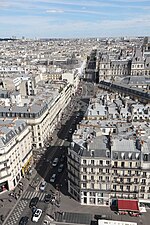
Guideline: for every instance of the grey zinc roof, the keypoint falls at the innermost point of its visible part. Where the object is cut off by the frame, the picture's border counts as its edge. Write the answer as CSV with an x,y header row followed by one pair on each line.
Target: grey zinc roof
x,y
147,63
9,129
138,58
98,145
135,80
123,145
35,108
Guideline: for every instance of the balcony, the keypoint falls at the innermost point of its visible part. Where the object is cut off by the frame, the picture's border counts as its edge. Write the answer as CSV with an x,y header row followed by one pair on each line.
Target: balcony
x,y
124,191
142,190
143,183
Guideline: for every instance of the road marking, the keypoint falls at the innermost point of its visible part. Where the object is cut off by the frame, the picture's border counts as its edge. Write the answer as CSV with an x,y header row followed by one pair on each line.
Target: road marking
x,y
30,194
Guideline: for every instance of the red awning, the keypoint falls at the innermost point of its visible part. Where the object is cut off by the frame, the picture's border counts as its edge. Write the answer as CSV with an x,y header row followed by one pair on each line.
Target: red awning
x,y
128,205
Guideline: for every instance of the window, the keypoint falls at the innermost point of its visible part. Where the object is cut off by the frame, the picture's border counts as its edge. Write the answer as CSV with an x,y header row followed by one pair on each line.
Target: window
x,y
100,178
142,189
92,200
135,180
92,185
107,163
129,172
128,180
121,180
100,170
84,169
107,170
143,181
101,162
122,164
92,162
92,193
114,187
84,161
107,178
92,178
121,187
115,172
128,188
84,177
144,174
84,185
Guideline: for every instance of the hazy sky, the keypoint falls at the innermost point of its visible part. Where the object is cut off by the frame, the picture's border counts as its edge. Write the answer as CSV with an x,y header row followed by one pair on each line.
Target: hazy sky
x,y
74,18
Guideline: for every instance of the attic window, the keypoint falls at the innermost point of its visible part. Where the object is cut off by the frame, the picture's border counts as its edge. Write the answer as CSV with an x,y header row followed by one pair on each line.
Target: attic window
x,y
130,155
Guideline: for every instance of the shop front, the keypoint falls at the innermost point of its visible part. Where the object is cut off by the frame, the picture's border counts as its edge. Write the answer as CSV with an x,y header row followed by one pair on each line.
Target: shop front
x,y
27,166
3,186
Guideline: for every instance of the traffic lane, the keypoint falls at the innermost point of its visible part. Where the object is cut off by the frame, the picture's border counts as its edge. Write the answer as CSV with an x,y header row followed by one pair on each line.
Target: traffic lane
x,y
28,212
43,164
54,170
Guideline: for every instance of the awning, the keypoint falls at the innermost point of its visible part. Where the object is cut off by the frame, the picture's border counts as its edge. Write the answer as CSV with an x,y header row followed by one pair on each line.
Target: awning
x,y
128,205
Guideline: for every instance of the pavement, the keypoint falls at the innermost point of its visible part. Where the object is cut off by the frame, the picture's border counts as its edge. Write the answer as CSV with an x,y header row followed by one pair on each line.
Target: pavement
x,y
8,203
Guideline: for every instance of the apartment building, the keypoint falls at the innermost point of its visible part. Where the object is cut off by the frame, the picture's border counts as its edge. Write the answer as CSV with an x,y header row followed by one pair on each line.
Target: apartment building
x,y
140,63
15,152
109,157
112,68
102,168
42,112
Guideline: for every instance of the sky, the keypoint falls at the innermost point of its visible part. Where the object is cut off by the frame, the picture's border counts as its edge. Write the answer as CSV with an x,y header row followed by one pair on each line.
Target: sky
x,y
74,18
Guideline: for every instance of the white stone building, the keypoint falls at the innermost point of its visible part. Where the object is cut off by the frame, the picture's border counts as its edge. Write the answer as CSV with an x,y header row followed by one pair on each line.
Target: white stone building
x,y
15,152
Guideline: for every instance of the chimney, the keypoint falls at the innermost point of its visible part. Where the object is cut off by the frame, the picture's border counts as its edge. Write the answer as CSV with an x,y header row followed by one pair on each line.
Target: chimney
x,y
92,153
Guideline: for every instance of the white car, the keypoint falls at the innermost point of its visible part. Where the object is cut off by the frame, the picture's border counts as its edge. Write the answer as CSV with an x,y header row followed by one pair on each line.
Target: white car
x,y
36,216
53,178
55,162
43,185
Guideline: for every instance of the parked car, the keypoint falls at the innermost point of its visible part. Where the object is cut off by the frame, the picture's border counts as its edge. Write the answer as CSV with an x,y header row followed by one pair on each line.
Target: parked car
x,y
33,202
47,198
55,162
43,185
53,178
36,216
24,220
60,168
70,131
62,158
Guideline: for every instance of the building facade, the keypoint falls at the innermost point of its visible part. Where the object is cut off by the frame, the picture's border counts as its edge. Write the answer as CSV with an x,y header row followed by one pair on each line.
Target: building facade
x,y
103,168
15,152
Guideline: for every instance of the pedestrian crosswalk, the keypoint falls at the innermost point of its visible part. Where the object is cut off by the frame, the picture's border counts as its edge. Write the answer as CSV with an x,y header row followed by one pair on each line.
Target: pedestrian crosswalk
x,y
32,194
15,215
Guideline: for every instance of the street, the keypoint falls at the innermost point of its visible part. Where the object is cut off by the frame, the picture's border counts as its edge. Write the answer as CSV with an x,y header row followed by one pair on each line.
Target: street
x,y
45,170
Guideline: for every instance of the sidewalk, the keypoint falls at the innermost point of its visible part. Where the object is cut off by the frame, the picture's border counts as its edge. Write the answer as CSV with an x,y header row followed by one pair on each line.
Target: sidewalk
x,y
8,203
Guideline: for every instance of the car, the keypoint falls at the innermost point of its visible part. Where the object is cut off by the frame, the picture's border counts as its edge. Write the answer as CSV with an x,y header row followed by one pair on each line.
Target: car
x,y
70,131
100,217
24,220
53,178
34,208
33,202
62,158
60,168
47,198
43,185
36,216
55,162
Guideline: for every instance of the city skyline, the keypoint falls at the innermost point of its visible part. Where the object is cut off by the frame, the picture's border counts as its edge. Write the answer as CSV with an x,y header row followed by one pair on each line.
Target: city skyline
x,y
74,18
